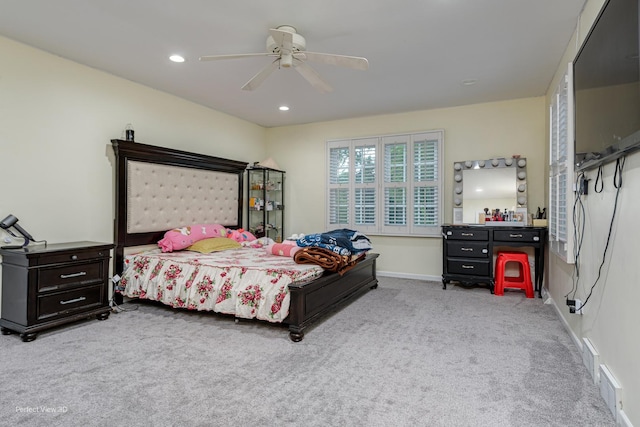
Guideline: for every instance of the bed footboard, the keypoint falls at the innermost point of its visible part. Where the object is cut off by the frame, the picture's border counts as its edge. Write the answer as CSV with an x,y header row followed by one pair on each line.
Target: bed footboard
x,y
310,301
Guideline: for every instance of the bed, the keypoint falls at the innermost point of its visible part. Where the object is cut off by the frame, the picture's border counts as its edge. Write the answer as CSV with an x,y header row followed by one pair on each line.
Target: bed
x,y
159,189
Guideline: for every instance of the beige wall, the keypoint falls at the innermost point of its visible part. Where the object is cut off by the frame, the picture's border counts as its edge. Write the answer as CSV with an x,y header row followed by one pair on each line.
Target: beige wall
x,y
56,122
482,131
611,315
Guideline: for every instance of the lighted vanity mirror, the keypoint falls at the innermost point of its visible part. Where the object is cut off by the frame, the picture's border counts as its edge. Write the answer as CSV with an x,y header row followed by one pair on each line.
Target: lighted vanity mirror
x,y
485,190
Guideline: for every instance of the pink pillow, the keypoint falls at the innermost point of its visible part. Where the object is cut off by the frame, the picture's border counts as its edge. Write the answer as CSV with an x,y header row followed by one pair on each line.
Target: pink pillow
x,y
282,249
240,235
183,237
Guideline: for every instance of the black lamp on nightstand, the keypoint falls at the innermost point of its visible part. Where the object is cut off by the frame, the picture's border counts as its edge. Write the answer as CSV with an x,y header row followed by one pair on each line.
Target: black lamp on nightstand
x,y
12,221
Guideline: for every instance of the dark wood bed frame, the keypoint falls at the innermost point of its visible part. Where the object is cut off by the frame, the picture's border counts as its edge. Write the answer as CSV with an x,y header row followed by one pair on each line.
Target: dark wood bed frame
x,y
309,301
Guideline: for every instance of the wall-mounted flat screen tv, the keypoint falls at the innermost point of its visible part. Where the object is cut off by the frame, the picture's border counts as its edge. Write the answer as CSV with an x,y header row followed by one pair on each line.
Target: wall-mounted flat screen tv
x,y
606,81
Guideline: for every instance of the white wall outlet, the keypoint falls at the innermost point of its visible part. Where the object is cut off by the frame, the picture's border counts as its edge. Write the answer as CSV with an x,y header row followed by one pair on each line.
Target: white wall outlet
x,y
579,308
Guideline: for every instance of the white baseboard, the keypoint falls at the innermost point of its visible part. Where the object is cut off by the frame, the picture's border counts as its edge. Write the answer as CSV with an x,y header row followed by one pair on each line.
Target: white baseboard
x,y
409,276
577,341
623,420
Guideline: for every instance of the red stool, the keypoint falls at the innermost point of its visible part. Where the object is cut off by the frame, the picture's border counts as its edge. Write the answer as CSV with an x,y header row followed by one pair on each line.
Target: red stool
x,y
522,281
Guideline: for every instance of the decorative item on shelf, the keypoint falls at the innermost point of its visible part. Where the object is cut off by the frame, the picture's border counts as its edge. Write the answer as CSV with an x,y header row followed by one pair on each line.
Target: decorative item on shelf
x,y
268,163
540,218
129,132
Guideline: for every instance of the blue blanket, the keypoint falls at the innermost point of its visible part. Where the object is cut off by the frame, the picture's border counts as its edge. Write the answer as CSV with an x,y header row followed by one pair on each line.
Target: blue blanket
x,y
342,241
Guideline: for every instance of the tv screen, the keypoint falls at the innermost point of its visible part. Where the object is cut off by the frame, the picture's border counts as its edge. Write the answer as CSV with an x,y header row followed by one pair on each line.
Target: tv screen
x,y
606,80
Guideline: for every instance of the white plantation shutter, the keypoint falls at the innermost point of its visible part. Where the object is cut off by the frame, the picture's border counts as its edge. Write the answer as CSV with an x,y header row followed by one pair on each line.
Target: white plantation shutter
x,y
426,181
365,206
365,184
395,182
339,207
339,186
386,185
559,214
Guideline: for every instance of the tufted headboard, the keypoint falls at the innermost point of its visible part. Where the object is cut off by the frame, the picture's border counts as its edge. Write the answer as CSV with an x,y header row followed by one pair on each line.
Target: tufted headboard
x,y
158,189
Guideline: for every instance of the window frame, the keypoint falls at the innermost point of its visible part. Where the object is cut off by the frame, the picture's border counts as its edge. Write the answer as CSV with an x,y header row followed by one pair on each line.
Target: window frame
x,y
380,185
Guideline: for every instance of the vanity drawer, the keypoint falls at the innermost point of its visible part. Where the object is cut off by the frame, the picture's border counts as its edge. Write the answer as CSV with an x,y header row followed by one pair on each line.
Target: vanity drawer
x,y
516,236
468,249
470,267
64,303
467,234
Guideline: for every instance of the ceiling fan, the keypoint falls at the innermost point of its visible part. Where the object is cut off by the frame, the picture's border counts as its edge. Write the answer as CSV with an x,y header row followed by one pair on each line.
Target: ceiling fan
x,y
288,48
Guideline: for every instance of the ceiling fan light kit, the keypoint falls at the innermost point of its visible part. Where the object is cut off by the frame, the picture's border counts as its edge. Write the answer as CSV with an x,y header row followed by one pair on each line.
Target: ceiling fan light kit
x,y
288,47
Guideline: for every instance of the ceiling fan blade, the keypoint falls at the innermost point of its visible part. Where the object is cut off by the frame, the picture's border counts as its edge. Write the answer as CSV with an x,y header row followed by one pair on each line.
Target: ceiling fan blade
x,y
240,55
312,76
261,76
354,62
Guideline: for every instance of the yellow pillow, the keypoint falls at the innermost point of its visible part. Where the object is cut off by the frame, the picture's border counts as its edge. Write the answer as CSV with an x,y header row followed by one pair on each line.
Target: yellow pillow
x,y
214,244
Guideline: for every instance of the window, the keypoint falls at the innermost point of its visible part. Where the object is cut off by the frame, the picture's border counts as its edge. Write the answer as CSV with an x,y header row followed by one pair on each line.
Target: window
x,y
387,184
561,169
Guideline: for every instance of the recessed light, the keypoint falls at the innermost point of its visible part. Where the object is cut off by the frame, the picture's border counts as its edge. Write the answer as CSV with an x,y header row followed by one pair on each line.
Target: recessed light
x,y
176,58
469,82
283,108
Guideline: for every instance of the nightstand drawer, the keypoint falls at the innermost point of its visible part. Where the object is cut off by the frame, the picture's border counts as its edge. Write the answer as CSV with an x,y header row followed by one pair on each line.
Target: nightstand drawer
x,y
468,249
471,267
64,303
81,254
65,276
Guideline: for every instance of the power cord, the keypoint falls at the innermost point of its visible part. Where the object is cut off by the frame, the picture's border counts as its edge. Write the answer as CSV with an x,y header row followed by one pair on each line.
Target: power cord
x,y
596,188
115,307
617,183
578,235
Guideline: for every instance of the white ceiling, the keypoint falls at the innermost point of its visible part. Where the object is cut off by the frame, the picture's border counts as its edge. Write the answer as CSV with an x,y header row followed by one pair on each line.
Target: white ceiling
x,y
419,51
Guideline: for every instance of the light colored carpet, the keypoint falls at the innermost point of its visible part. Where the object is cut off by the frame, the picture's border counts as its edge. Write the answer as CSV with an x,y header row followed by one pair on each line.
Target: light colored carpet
x,y
406,354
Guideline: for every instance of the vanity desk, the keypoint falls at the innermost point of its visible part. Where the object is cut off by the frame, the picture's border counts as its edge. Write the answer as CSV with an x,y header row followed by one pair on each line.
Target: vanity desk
x,y
468,250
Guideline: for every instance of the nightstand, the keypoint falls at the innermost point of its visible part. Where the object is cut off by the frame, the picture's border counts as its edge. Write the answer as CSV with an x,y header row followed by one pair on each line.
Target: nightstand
x,y
43,287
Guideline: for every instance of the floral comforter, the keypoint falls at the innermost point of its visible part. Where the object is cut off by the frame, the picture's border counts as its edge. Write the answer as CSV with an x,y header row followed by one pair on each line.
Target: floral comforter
x,y
246,282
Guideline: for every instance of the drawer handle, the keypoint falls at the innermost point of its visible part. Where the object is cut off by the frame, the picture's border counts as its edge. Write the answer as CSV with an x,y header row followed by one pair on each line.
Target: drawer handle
x,y
536,238
467,234
467,249
71,301
467,266
68,276
516,236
